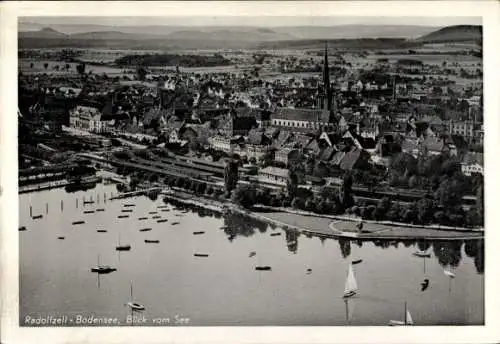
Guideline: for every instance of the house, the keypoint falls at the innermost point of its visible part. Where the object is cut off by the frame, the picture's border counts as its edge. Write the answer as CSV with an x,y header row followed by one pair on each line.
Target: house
x,y
327,153
219,142
230,125
472,163
273,175
468,129
92,116
257,137
172,130
354,159
286,156
434,146
312,147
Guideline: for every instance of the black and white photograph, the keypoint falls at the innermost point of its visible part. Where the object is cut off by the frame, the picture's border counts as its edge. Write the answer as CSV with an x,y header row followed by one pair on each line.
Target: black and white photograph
x,y
187,171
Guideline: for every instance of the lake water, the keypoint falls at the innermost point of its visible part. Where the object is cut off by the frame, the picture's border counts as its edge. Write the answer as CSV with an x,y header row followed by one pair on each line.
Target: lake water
x,y
224,288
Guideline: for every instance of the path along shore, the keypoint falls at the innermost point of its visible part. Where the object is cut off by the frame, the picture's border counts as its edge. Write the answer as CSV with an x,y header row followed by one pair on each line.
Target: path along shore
x,y
331,226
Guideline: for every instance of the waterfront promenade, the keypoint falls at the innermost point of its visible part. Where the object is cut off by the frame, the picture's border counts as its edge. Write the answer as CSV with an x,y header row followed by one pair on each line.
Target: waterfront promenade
x,y
330,226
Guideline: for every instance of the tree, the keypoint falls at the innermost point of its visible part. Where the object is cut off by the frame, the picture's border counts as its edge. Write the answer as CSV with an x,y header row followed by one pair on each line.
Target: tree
x,y
292,184
32,65
394,212
368,212
245,196
424,209
45,65
230,175
141,73
201,188
297,203
347,198
80,68
440,217
310,204
480,203
264,196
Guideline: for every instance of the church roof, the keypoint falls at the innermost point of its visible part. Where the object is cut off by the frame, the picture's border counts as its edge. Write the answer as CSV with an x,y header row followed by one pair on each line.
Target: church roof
x,y
305,115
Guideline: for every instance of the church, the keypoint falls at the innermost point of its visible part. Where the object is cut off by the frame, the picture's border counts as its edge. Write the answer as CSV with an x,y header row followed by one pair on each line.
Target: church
x,y
308,120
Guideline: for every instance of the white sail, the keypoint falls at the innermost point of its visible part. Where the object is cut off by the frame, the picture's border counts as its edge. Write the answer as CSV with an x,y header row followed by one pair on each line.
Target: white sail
x,y
409,320
351,286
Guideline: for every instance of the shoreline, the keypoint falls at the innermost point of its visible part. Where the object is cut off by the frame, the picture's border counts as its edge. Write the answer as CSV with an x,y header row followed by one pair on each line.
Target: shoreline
x,y
331,231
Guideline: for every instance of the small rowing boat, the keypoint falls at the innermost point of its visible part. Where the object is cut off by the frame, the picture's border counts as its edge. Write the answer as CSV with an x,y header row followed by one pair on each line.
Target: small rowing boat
x,y
263,268
161,220
122,216
199,232
129,205
22,228
100,209
144,230
60,238
88,211
78,222
151,241
36,217
101,231
275,234
175,223
127,210
153,212
201,255
142,218
357,261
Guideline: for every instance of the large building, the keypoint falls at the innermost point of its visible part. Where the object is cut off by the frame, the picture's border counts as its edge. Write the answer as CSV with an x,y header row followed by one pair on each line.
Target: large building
x,y
307,120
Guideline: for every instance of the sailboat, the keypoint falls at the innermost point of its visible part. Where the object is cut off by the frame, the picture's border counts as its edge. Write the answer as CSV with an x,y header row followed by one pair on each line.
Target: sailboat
x,y
134,306
351,286
102,269
122,247
408,319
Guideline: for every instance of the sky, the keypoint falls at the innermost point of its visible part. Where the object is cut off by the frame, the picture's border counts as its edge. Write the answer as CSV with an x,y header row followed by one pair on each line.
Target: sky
x,y
254,21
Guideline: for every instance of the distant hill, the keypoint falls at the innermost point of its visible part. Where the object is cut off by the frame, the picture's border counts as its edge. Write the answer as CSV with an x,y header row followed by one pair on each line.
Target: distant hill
x,y
457,33
108,35
356,31
248,35
44,33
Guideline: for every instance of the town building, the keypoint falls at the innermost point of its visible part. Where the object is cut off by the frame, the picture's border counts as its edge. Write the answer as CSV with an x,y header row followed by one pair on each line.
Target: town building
x,y
472,163
273,175
91,116
286,156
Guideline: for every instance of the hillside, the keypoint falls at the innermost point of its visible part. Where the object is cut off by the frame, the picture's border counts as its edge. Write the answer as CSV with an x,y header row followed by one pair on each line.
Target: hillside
x,y
356,31
44,33
457,33
249,35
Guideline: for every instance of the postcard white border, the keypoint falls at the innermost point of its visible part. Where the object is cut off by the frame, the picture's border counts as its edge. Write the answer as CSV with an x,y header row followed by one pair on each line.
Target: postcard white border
x,y
11,333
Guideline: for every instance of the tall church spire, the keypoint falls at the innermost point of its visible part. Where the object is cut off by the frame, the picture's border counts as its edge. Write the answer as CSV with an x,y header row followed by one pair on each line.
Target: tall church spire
x,y
326,80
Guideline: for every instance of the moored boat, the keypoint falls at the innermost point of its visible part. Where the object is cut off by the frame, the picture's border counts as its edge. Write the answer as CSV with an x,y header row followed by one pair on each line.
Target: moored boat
x,y
199,232
134,306
149,241
78,222
161,220
351,286
408,319
263,268
144,229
